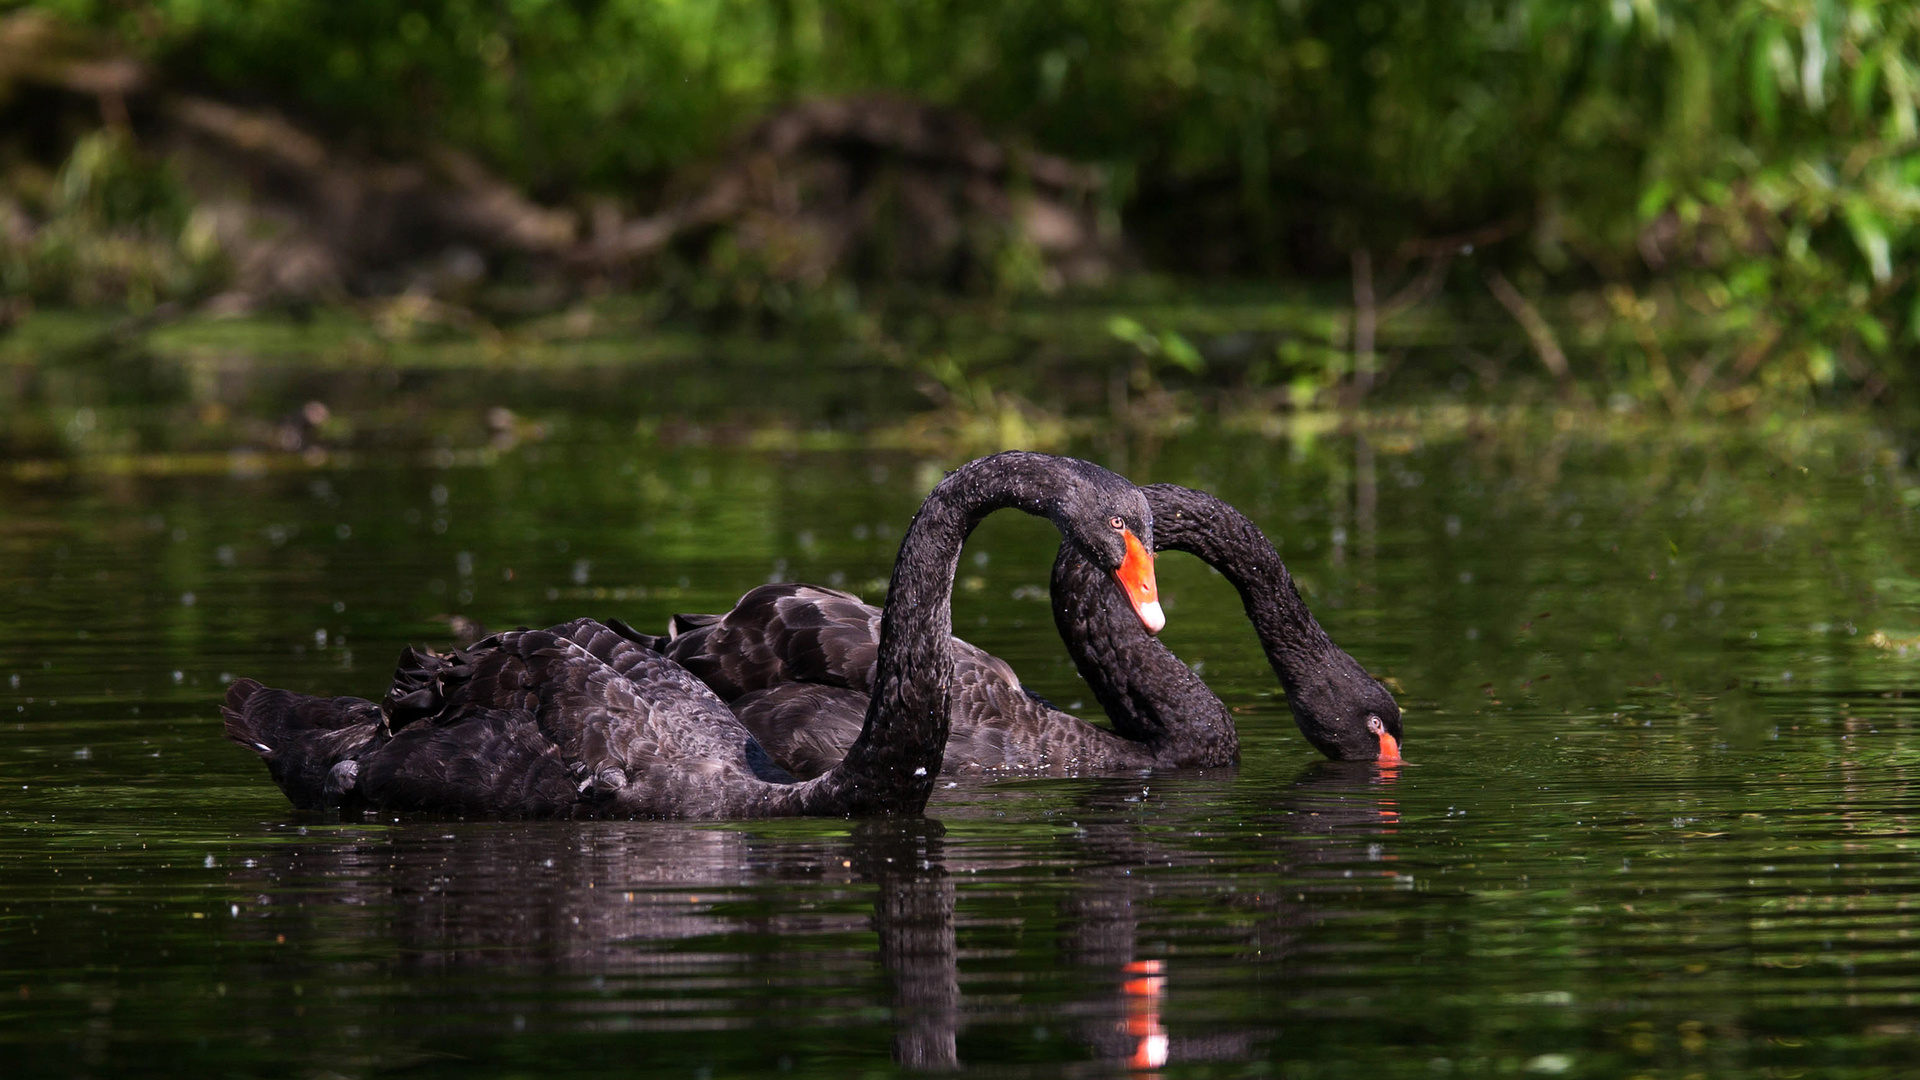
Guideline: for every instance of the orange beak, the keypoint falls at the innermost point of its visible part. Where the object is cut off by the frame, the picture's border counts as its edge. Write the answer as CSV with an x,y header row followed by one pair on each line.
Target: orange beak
x,y
1136,579
1389,749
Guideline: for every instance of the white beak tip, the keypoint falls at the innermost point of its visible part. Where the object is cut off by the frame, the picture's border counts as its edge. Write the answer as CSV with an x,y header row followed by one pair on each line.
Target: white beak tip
x,y
1151,614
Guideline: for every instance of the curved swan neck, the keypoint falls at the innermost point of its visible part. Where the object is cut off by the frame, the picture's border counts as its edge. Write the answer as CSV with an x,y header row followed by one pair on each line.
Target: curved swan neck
x,y
1149,694
1207,527
1331,696
892,765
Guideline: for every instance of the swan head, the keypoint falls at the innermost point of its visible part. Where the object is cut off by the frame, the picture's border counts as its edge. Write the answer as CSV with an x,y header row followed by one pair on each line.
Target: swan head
x,y
1348,715
1108,519
1101,513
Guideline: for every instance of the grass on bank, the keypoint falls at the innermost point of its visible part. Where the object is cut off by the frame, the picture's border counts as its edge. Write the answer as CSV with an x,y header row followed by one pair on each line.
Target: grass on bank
x,y
953,378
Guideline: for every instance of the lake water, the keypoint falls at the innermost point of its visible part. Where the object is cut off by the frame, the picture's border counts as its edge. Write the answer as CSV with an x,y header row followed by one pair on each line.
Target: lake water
x,y
1658,816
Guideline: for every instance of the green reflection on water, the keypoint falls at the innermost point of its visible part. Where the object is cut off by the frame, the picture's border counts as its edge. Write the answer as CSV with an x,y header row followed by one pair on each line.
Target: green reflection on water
x,y
1657,820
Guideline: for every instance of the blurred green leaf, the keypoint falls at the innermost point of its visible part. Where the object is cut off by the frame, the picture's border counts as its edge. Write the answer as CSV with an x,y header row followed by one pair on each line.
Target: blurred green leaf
x,y
1180,352
1861,84
1872,332
1763,84
1130,331
1870,233
1653,201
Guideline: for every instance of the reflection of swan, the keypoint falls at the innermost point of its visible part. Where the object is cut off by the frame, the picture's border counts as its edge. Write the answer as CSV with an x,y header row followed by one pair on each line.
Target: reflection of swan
x,y
913,916
796,661
692,932
1145,986
1333,815
706,915
508,894
579,721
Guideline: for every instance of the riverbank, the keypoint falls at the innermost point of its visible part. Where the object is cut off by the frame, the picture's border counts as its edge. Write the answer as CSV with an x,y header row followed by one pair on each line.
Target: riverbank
x,y
107,394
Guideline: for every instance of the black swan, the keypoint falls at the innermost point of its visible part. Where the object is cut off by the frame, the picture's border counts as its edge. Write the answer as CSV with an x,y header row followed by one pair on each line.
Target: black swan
x,y
795,662
1343,711
577,720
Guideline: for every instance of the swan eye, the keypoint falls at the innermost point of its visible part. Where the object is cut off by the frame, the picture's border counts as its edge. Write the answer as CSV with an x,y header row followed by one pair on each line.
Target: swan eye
x,y
1374,725
1119,524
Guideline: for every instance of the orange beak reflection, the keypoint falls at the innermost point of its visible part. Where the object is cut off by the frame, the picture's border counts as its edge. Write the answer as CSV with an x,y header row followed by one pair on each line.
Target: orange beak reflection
x,y
1136,579
1145,987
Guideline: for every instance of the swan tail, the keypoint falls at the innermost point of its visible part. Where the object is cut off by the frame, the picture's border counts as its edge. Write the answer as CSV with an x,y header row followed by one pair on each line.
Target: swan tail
x,y
310,744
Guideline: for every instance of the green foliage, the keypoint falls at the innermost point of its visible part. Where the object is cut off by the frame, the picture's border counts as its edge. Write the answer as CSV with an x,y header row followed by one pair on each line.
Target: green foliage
x,y
1758,157
1794,205
116,228
1167,346
559,95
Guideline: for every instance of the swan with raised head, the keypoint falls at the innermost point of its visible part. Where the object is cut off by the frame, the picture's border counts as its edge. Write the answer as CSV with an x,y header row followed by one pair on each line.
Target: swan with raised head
x,y
578,720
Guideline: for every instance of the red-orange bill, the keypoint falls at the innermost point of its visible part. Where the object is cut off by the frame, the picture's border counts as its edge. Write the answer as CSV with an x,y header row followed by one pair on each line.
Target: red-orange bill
x,y
1389,748
1136,579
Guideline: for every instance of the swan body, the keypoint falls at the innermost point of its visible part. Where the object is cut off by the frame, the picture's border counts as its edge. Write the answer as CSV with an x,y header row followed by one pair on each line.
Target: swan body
x,y
580,720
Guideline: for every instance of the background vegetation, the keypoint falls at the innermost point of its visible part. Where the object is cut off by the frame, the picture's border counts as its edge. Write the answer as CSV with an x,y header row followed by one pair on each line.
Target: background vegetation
x,y
1701,204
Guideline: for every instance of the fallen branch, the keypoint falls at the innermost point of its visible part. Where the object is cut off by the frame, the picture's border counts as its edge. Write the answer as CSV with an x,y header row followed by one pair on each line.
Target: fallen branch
x,y
1539,333
1421,289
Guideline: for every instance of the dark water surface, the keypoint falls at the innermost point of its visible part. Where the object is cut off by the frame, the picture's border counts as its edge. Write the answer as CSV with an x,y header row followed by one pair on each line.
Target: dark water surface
x,y
1663,715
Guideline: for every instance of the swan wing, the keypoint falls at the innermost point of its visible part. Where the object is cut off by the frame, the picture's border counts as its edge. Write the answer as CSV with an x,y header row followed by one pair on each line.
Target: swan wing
x,y
500,724
779,634
481,761
803,727
804,633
